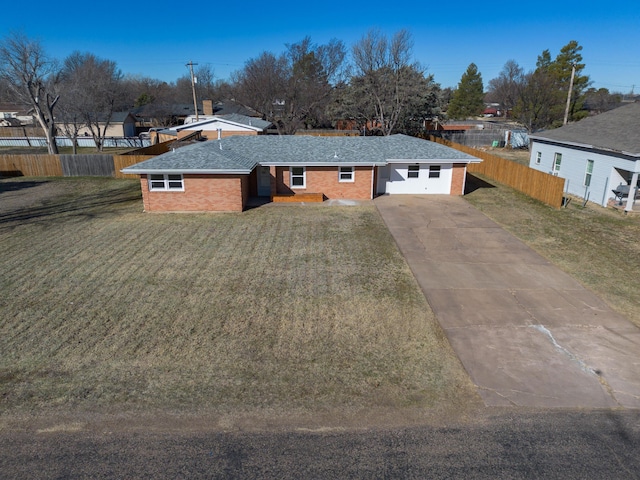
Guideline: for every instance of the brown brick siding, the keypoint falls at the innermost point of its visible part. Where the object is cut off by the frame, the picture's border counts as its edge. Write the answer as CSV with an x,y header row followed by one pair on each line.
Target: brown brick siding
x,y
202,193
325,180
458,175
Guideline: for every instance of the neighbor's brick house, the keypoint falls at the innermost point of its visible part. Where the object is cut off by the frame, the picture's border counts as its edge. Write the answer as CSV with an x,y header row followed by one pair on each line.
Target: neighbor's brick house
x,y
221,175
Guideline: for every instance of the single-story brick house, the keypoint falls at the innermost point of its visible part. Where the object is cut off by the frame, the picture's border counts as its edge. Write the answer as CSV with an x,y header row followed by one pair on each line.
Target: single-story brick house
x,y
595,156
220,175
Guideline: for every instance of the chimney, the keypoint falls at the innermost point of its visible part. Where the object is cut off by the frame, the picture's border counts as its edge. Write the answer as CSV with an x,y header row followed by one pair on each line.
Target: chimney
x,y
207,107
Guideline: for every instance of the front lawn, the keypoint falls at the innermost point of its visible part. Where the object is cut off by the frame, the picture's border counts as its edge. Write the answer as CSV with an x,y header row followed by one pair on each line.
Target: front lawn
x,y
279,309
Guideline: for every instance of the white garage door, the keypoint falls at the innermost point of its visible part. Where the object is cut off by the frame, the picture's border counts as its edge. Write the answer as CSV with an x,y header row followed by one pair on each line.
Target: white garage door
x,y
415,178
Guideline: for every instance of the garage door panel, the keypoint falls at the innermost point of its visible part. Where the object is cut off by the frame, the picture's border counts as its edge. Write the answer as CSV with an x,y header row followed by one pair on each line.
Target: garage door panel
x,y
405,178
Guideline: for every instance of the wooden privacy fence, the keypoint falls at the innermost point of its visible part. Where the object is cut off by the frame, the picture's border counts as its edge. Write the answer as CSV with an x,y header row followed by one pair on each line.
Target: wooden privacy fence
x,y
68,165
123,161
539,185
31,165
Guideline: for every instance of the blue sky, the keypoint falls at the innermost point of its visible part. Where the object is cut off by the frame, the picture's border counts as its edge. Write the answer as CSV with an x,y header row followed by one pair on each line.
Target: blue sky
x,y
158,38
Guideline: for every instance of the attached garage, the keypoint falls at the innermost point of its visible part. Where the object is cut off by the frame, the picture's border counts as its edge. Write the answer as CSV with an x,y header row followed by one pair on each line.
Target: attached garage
x,y
415,178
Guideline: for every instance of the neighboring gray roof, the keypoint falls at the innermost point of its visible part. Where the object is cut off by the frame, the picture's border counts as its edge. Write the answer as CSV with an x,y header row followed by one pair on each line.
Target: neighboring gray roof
x,y
175,109
227,107
617,130
168,131
235,153
120,117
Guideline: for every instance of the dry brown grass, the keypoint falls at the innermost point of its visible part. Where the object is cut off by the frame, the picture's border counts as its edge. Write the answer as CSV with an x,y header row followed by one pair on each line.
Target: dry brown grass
x,y
520,156
279,309
597,246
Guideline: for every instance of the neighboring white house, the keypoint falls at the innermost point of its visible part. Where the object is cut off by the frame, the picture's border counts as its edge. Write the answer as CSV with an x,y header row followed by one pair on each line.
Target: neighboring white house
x,y
21,113
595,156
213,127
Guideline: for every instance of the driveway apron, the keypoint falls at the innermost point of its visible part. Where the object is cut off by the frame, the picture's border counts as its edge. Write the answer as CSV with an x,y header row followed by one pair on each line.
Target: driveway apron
x,y
527,333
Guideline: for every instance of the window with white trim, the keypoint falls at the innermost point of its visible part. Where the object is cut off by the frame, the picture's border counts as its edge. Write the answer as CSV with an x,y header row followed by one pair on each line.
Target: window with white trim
x,y
166,182
413,171
588,173
434,171
557,160
345,174
538,158
297,177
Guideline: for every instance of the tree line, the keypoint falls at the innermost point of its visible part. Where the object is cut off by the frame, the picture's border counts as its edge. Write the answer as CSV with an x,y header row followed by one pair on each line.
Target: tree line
x,y
377,89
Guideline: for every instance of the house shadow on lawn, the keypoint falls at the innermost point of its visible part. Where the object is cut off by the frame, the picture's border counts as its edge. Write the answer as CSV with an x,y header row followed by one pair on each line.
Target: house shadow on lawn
x,y
56,202
9,186
255,202
474,183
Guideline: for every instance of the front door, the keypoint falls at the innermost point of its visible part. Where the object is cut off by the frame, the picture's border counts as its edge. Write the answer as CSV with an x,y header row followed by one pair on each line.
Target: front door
x,y
264,182
383,178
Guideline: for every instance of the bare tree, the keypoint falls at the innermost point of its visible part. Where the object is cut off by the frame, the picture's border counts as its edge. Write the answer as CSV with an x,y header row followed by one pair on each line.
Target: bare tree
x,y
5,90
97,92
33,78
153,100
293,89
69,116
537,99
261,84
385,76
505,89
601,100
206,82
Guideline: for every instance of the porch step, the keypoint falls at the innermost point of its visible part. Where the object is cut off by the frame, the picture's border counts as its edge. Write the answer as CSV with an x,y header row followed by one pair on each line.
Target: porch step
x,y
297,197
615,204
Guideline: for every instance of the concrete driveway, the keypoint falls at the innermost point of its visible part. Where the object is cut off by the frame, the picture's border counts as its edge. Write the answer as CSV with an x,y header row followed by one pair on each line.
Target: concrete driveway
x,y
527,333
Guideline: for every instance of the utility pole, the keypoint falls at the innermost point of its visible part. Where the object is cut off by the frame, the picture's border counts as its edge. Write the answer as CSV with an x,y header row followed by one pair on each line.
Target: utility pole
x,y
193,88
566,110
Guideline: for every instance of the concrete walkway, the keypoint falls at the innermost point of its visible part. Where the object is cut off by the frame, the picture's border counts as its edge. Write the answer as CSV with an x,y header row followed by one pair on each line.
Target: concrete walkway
x,y
527,333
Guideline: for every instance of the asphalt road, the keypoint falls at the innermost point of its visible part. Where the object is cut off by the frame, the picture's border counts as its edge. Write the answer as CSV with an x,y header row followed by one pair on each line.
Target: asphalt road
x,y
602,444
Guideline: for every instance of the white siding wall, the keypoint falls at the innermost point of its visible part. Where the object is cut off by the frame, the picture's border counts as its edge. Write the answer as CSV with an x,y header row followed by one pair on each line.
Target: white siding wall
x,y
214,126
396,180
574,166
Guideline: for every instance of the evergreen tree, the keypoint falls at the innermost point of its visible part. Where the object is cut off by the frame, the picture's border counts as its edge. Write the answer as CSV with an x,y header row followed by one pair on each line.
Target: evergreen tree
x,y
560,69
468,99
543,93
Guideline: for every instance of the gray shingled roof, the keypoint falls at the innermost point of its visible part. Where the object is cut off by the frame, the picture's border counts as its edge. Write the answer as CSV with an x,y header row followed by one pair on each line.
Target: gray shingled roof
x,y
204,157
617,130
243,153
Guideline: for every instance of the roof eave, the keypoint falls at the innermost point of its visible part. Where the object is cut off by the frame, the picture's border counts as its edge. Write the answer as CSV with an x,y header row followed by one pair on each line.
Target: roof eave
x,y
435,160
562,142
148,171
323,164
585,145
